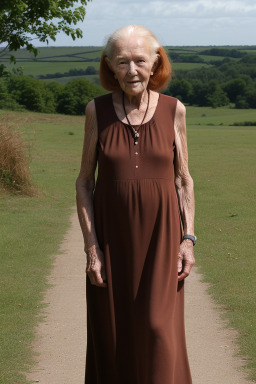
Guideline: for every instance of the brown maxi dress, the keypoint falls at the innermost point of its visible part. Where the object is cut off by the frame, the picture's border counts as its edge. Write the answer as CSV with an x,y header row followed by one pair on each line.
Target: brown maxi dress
x,y
135,329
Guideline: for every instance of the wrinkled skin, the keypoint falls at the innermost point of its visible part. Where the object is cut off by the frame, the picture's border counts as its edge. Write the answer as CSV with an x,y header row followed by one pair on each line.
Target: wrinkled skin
x,y
133,64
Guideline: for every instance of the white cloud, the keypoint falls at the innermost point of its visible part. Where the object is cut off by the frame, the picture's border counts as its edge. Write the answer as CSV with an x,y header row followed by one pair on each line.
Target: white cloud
x,y
175,22
172,9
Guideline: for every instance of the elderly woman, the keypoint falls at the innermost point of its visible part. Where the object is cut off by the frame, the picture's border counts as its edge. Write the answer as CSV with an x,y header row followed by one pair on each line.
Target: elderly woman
x,y
137,255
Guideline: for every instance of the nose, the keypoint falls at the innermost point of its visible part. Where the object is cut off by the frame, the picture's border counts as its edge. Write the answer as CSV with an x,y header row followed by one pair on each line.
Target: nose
x,y
132,69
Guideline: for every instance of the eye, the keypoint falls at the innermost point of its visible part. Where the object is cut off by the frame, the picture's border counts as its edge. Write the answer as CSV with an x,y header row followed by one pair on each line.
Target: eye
x,y
122,62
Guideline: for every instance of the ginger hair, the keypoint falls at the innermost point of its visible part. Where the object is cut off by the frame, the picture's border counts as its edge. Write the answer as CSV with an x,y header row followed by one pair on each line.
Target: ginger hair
x,y
161,66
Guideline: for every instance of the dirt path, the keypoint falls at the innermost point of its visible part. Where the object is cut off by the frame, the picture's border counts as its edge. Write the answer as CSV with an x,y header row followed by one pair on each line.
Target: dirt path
x,y
61,339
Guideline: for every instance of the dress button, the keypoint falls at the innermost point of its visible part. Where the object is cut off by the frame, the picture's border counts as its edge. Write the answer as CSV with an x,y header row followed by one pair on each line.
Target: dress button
x,y
137,166
136,153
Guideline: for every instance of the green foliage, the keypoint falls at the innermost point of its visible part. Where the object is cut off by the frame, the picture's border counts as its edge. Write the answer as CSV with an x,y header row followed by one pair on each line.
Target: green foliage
x,y
31,94
76,95
6,99
244,124
22,20
39,96
241,102
223,52
225,82
31,230
185,57
182,88
233,74
234,88
90,70
218,98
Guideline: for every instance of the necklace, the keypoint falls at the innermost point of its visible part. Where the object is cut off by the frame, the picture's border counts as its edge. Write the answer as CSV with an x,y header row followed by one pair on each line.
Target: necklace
x,y
135,132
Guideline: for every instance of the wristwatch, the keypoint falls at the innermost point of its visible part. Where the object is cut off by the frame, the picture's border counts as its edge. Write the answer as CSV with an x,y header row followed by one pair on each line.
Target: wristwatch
x,y
190,237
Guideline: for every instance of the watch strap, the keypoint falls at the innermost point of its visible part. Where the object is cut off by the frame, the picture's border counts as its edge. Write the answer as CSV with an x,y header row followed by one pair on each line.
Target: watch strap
x,y
190,237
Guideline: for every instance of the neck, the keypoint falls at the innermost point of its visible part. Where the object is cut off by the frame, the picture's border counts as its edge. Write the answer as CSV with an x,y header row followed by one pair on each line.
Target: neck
x,y
137,100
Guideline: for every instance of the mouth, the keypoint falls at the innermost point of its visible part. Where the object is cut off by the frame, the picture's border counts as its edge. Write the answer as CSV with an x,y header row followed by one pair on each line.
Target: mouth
x,y
133,82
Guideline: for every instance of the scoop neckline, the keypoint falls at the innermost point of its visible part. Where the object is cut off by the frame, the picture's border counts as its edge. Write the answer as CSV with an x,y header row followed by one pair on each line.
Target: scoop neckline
x,y
112,102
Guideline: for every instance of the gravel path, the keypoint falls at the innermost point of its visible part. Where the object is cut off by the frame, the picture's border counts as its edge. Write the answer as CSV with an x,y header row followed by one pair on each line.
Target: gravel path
x,y
61,339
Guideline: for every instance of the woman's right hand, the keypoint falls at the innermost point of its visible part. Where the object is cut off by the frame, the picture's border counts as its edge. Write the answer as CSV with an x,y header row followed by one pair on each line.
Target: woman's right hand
x,y
95,266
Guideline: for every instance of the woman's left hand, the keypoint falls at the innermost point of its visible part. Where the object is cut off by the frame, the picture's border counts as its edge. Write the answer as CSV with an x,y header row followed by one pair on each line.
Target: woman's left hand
x,y
186,259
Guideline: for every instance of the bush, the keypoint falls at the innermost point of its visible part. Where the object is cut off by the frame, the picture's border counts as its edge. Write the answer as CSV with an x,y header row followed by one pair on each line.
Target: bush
x,y
19,92
241,103
218,98
31,93
14,169
6,100
76,95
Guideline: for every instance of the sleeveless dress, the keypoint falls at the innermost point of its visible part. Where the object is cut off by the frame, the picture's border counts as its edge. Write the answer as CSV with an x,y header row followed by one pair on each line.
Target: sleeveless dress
x,y
135,326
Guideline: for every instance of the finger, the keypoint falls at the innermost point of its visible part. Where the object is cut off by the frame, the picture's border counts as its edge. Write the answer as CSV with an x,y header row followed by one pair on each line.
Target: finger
x,y
182,276
179,265
185,273
99,280
95,281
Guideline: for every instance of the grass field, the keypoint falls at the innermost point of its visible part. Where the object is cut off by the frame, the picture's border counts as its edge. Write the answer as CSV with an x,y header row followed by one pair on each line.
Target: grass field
x,y
41,68
222,163
31,230
60,59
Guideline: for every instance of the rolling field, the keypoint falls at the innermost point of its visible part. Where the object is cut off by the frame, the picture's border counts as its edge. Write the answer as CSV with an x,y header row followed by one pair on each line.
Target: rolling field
x,y
222,163
31,230
61,59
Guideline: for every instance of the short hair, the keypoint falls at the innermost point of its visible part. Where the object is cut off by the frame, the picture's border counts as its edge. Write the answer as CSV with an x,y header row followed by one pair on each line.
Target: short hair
x,y
162,68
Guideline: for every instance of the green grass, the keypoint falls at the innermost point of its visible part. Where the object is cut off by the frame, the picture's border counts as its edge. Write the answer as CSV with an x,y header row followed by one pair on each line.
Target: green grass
x,y
40,68
53,52
222,163
220,116
67,57
31,230
188,66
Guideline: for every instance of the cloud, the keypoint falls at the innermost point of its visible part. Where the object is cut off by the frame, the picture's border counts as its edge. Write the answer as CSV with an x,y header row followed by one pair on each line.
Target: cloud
x,y
174,9
175,22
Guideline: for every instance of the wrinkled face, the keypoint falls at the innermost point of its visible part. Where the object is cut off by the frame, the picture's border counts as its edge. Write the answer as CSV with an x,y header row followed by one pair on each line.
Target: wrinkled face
x,y
132,63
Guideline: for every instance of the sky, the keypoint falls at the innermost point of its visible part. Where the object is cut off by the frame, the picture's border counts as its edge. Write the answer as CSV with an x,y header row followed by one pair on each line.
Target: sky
x,y
174,22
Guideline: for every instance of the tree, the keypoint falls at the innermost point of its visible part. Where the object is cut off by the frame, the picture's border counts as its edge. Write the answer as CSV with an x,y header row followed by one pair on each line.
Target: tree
x,y
182,89
21,21
234,88
31,94
200,92
218,98
75,96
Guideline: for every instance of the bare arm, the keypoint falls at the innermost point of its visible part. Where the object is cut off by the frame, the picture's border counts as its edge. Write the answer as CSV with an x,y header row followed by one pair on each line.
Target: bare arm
x,y
185,189
84,197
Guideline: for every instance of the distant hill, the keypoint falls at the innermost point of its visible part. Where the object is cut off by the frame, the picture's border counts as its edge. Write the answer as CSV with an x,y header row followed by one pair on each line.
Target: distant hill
x,y
63,64
203,76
